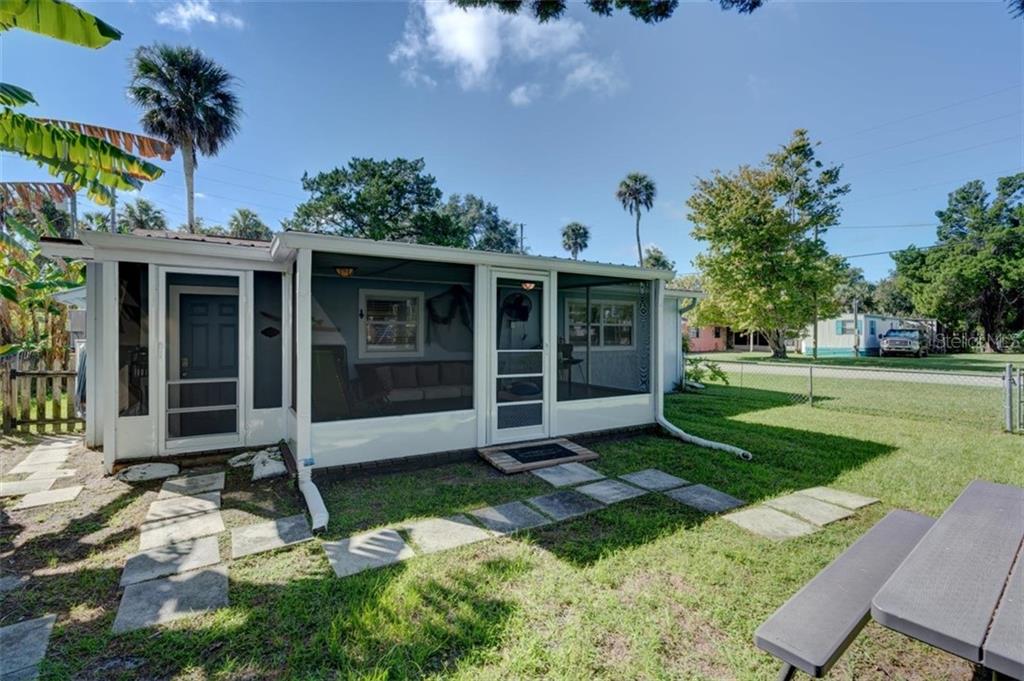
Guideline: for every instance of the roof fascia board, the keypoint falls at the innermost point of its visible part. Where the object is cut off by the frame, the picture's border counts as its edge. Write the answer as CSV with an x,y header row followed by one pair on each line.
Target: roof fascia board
x,y
102,241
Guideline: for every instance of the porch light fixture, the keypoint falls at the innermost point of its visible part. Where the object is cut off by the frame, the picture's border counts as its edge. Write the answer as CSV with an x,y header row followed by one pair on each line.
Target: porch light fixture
x,y
345,272
528,285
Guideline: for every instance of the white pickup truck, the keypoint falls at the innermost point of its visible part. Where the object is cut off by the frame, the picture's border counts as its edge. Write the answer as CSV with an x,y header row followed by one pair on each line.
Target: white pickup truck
x,y
903,342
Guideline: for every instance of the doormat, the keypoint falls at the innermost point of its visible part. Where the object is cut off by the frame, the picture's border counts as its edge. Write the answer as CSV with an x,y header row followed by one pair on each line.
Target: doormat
x,y
528,456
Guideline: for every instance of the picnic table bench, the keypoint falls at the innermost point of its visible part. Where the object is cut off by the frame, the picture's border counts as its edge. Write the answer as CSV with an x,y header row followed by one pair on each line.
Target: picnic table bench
x,y
956,584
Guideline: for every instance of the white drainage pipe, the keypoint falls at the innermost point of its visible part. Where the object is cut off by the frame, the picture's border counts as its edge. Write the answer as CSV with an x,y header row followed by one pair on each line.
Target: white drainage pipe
x,y
314,502
701,442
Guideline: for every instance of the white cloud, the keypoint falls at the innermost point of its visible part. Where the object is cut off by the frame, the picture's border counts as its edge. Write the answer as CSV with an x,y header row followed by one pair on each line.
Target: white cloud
x,y
188,13
587,72
473,43
523,95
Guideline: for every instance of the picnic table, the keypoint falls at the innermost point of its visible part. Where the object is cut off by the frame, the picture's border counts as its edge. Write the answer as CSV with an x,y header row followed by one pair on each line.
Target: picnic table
x,y
961,588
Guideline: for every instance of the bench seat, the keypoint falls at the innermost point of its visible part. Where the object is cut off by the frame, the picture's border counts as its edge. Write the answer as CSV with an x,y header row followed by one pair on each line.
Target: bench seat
x,y
813,628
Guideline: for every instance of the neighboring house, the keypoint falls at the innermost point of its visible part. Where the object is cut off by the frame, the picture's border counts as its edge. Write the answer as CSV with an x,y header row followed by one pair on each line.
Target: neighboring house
x,y
706,338
355,351
839,335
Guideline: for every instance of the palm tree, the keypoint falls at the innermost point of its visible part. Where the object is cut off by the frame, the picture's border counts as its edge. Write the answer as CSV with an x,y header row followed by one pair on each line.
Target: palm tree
x,y
575,238
186,99
142,215
655,259
637,193
246,224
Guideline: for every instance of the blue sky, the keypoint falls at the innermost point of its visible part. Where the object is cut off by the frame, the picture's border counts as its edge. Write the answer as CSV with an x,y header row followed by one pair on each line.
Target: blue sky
x,y
914,99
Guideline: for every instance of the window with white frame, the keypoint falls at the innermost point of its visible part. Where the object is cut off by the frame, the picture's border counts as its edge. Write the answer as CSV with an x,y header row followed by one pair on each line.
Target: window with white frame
x,y
847,327
390,323
610,324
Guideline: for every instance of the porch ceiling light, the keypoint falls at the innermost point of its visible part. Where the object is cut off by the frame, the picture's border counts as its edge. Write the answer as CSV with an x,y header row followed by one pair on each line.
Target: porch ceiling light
x,y
344,272
528,285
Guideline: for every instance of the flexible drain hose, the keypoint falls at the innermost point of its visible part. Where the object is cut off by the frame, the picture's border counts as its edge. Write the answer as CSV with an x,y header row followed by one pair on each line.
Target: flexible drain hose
x,y
701,442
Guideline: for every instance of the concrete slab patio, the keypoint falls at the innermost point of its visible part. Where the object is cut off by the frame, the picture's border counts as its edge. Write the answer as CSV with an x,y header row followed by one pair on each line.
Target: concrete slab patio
x,y
50,496
705,499
565,504
171,559
158,601
268,536
809,509
838,497
769,523
507,518
654,480
440,534
567,474
366,551
23,647
611,491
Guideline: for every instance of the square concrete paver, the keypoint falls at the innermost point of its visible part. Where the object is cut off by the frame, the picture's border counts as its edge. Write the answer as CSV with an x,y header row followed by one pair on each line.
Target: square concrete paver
x,y
23,646
365,551
566,474
838,497
510,517
769,523
172,530
51,475
565,504
611,491
176,507
15,488
29,467
171,559
190,485
705,499
809,508
439,534
47,456
157,601
269,536
654,480
50,496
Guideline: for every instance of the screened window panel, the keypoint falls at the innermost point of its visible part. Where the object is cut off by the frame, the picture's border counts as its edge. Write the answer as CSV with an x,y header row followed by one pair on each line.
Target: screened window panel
x,y
520,415
133,338
267,340
529,362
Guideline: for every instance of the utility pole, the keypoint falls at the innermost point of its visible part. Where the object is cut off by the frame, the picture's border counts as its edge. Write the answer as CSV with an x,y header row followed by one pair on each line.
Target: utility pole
x,y
113,211
522,246
814,341
856,331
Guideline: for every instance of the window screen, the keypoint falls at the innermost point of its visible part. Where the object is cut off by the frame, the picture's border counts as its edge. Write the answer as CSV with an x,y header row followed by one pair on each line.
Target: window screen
x,y
133,338
266,340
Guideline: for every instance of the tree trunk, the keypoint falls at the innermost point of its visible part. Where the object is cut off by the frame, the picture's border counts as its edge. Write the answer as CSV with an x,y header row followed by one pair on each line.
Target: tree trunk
x,y
777,342
188,159
639,248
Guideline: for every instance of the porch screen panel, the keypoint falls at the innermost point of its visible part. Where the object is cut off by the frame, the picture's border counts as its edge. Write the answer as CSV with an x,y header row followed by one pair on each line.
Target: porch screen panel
x,y
389,337
604,337
519,384
266,340
133,338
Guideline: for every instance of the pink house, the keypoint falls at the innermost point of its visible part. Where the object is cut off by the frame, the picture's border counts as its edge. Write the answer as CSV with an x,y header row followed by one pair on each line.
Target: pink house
x,y
705,338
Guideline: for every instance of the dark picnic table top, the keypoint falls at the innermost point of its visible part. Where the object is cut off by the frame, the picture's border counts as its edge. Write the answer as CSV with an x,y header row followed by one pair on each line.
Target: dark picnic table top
x,y
955,590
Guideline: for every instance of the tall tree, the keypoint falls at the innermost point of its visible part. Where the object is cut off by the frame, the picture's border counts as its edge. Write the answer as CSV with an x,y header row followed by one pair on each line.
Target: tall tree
x,y
188,100
655,259
647,11
636,193
762,269
891,297
854,288
246,224
974,276
141,214
479,225
575,238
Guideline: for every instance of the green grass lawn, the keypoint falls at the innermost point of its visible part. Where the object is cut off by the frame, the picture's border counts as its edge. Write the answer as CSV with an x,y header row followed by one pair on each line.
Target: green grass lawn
x,y
645,589
966,362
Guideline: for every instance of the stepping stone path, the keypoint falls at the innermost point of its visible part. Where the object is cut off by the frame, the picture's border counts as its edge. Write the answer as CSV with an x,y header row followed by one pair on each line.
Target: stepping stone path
x,y
23,647
51,475
610,491
440,534
705,499
50,496
565,504
365,551
147,471
654,480
768,522
171,559
162,509
800,513
507,518
567,474
170,530
268,536
190,485
164,600
11,582
17,488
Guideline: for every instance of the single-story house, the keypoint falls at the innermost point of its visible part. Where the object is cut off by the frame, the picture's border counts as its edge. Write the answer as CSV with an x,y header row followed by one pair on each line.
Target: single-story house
x,y
706,338
355,351
838,336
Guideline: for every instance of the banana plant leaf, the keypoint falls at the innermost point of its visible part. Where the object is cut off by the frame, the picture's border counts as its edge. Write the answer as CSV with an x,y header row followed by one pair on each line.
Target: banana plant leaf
x,y
57,19
12,95
133,143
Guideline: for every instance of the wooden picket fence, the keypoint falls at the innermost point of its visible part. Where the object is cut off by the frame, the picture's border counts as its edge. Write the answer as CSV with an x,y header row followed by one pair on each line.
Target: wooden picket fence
x,y
38,398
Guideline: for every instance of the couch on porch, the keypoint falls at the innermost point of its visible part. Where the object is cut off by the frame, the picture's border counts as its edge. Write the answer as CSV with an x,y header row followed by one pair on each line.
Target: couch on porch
x,y
402,382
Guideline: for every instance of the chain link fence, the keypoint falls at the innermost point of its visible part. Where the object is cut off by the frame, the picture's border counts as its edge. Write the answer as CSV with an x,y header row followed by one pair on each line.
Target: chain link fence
x,y
984,400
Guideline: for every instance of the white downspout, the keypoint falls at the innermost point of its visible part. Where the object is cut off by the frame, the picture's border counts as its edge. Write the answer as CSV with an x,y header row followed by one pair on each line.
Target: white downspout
x,y
669,427
314,502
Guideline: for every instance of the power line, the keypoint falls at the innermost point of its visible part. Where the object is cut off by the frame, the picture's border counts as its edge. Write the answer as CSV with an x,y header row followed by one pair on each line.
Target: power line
x,y
927,186
932,136
907,226
935,156
895,250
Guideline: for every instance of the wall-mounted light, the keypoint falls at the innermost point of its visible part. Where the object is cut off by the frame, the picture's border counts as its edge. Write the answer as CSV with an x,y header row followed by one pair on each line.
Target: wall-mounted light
x,y
344,272
528,285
